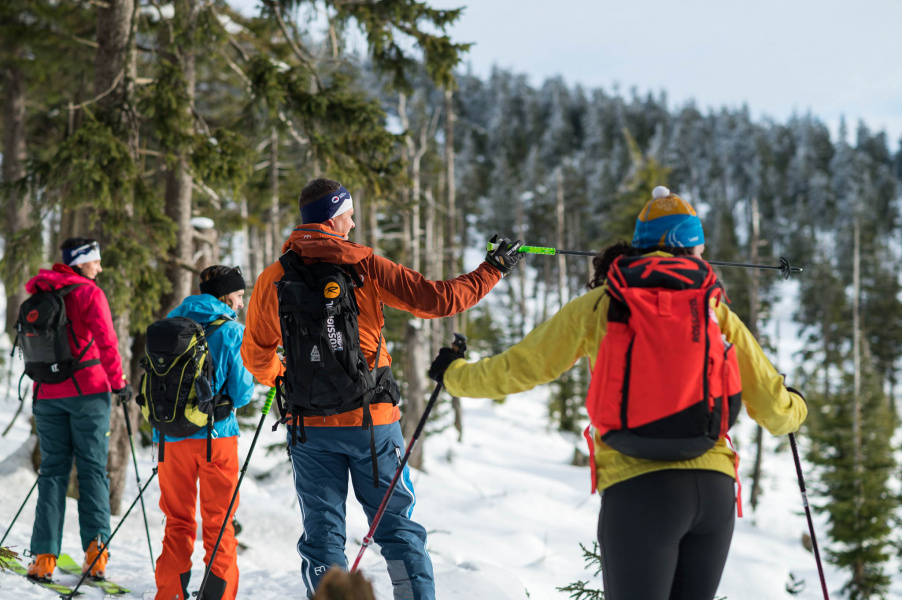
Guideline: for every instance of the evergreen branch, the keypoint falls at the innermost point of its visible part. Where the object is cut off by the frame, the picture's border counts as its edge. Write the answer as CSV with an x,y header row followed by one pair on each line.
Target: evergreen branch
x,y
289,125
277,11
101,96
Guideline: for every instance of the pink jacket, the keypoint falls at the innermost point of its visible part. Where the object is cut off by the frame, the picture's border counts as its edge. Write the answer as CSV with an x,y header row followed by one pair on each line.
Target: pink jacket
x,y
89,311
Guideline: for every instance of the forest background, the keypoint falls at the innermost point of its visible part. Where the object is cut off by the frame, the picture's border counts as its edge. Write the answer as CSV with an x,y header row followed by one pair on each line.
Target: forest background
x,y
128,120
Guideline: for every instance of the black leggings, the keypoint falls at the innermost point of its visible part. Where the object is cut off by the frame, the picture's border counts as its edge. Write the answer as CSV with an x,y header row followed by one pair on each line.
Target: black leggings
x,y
665,535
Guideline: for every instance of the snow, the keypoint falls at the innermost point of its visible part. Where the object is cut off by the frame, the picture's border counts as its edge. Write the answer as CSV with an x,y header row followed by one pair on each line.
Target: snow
x,y
504,508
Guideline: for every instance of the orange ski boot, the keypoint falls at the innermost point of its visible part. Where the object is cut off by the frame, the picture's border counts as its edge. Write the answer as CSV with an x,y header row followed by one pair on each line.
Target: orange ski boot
x,y
99,568
42,567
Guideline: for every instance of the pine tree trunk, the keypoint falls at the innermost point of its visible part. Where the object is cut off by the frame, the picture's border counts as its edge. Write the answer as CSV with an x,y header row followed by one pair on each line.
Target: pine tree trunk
x,y
179,179
17,202
114,74
414,332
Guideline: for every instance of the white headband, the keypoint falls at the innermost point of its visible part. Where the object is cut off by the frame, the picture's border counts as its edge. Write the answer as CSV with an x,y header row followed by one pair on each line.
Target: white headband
x,y
84,254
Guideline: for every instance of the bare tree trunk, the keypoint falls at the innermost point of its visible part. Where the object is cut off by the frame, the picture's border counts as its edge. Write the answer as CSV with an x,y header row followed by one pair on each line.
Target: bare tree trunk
x,y
754,301
559,238
453,254
274,237
17,201
180,180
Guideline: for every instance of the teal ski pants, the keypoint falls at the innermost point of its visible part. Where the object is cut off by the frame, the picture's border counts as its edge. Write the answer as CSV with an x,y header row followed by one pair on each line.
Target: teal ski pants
x,y
72,429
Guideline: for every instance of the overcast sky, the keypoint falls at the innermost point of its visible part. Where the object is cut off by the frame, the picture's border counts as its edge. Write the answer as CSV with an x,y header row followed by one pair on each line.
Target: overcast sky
x,y
829,57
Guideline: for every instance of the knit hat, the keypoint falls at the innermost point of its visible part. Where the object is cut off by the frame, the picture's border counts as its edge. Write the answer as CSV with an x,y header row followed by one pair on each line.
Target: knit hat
x,y
224,284
667,220
80,255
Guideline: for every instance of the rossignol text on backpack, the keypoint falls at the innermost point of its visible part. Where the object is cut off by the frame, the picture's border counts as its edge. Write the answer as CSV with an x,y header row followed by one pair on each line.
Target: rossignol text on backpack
x,y
666,382
43,330
326,372
176,389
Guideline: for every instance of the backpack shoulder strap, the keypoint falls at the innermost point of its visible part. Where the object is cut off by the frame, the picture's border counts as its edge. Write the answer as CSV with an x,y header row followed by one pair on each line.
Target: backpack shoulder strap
x,y
212,326
64,291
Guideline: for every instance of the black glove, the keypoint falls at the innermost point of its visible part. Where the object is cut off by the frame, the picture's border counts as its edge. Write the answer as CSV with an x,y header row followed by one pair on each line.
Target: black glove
x,y
505,256
445,357
797,392
123,394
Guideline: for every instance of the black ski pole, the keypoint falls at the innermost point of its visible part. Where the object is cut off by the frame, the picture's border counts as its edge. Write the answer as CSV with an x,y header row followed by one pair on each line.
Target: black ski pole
x,y
106,545
19,512
459,344
784,267
817,554
228,516
128,427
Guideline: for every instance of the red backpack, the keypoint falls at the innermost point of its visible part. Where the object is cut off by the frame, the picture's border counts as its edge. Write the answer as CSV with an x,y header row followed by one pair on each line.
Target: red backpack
x,y
666,382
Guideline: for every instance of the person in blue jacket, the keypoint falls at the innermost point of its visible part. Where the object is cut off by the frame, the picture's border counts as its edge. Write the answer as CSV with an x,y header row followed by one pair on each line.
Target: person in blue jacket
x,y
185,461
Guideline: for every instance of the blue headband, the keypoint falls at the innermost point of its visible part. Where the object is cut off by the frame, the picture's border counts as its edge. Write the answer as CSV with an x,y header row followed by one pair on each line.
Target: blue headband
x,y
327,207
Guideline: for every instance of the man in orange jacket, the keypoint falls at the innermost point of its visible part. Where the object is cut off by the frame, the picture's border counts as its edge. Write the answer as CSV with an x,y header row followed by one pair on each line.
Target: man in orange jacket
x,y
337,445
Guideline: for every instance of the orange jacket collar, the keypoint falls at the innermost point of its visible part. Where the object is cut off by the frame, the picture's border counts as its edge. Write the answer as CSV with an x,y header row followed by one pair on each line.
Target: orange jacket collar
x,y
317,242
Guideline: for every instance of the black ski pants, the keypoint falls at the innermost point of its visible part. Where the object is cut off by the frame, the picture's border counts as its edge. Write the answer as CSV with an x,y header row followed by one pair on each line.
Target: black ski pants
x,y
665,535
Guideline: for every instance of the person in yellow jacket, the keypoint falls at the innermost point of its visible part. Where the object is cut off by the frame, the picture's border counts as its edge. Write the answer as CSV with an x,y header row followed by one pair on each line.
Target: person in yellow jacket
x,y
664,527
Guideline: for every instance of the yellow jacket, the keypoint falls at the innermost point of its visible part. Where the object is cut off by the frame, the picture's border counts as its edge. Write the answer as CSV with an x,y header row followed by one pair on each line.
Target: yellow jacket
x,y
576,331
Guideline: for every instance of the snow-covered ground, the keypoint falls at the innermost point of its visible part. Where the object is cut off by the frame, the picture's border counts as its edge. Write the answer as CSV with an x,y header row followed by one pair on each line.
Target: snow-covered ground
x,y
505,511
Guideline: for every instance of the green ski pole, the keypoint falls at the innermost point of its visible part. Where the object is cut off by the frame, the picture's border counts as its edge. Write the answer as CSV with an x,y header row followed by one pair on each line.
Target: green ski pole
x,y
225,522
784,267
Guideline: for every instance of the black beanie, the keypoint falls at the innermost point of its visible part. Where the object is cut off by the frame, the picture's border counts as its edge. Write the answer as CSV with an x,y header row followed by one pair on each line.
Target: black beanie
x,y
223,285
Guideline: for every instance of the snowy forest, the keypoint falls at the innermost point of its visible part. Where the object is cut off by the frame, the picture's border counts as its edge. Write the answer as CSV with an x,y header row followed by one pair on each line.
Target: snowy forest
x,y
179,135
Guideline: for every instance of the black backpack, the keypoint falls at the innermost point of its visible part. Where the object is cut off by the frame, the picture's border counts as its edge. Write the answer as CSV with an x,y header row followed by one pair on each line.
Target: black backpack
x,y
43,330
176,388
326,372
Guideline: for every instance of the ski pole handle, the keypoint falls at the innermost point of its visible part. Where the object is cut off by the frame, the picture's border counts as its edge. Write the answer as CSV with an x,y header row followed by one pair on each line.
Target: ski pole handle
x,y
269,398
544,251
460,342
524,249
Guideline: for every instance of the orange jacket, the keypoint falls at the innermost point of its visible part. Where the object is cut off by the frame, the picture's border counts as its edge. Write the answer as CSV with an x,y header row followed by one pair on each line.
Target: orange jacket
x,y
384,282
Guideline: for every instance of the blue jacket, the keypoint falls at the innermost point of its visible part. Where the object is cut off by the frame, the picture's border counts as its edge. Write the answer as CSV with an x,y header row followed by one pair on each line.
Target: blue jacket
x,y
229,375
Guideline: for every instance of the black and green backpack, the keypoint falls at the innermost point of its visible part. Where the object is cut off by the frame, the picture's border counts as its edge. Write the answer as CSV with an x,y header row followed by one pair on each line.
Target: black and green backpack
x,y
176,390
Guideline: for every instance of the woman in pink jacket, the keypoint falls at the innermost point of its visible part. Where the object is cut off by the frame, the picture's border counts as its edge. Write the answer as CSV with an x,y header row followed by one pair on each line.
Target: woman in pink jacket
x,y
73,417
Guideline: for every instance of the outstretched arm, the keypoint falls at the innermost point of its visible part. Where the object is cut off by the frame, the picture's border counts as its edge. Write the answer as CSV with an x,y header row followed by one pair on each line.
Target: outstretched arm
x,y
542,356
408,290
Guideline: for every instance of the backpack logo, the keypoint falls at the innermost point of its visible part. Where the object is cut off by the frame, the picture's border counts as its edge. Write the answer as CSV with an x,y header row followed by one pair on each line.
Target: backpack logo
x,y
332,290
55,368
314,355
32,316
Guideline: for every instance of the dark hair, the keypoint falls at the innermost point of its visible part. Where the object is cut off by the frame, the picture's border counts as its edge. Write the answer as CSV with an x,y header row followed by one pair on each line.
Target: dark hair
x,y
315,190
604,259
217,271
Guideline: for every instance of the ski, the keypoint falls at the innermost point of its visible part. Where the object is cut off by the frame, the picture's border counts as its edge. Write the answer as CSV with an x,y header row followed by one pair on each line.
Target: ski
x,y
16,567
67,564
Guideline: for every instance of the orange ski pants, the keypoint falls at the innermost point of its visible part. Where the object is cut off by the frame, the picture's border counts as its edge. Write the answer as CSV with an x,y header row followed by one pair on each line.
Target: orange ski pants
x,y
184,464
